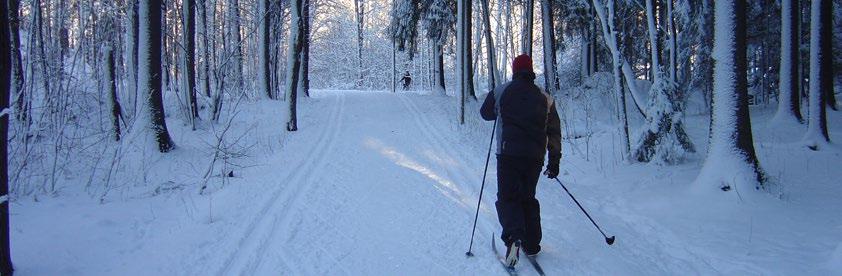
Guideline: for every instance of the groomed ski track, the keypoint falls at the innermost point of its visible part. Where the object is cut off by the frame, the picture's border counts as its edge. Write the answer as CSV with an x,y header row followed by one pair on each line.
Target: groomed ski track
x,y
377,183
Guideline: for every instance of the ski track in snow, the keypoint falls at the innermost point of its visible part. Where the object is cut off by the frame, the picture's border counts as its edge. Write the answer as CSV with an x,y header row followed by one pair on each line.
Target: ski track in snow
x,y
381,183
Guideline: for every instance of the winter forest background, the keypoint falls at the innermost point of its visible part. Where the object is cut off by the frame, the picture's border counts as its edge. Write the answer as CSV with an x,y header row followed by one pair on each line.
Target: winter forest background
x,y
191,106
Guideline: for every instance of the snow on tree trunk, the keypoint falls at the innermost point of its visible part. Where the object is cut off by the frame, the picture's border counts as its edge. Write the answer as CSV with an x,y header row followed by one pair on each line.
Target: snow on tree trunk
x,y
653,41
528,19
5,83
662,138
264,75
294,62
131,61
731,161
606,13
789,108
149,72
821,73
550,79
673,48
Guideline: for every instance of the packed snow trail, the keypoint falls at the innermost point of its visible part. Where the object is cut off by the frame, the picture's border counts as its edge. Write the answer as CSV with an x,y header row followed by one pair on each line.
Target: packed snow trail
x,y
385,184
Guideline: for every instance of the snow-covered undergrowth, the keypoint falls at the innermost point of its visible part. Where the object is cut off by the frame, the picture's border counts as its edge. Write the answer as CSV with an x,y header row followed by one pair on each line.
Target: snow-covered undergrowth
x,y
394,178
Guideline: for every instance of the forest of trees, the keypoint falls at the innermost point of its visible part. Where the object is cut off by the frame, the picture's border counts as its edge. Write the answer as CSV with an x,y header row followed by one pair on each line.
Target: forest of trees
x,y
147,60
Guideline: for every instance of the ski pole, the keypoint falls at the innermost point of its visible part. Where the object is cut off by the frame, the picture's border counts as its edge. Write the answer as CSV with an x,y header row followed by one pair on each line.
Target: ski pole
x,y
608,240
476,216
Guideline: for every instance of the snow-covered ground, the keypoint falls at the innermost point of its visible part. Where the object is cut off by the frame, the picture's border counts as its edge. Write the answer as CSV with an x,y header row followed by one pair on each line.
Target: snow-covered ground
x,y
377,183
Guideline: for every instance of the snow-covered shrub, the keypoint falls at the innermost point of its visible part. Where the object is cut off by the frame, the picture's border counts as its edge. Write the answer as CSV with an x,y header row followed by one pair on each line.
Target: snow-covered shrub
x,y
662,138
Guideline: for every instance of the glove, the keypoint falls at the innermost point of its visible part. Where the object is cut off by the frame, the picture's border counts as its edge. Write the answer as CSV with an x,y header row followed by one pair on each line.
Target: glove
x,y
552,169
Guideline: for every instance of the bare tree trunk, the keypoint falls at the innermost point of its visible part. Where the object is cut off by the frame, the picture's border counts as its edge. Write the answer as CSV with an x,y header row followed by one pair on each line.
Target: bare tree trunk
x,y
528,19
821,73
730,136
5,82
203,13
111,82
294,62
149,78
305,48
17,90
189,23
131,59
654,50
789,107
264,77
463,60
550,80
359,10
235,40
673,35
605,12
493,74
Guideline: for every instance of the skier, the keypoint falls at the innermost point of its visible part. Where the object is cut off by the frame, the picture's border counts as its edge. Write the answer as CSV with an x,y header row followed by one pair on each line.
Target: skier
x,y
406,80
528,127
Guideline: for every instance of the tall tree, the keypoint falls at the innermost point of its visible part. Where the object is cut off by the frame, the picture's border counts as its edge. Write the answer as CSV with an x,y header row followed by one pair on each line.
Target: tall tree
x,y
189,33
206,47
132,52
17,90
672,43
359,11
5,83
235,40
264,75
528,19
149,71
731,158
606,12
550,79
305,48
439,19
493,74
821,73
463,59
296,38
789,107
111,84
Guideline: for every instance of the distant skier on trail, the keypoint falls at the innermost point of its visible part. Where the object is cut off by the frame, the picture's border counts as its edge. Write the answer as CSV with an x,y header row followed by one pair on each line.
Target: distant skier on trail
x,y
529,127
406,80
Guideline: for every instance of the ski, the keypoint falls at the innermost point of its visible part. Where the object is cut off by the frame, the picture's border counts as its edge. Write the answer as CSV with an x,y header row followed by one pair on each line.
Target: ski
x,y
509,269
533,260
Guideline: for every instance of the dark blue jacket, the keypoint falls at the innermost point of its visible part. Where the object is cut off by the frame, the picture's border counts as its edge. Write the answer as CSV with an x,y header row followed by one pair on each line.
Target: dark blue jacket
x,y
528,123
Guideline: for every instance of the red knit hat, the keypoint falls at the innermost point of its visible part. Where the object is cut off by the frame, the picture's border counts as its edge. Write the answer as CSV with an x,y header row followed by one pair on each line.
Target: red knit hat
x,y
522,63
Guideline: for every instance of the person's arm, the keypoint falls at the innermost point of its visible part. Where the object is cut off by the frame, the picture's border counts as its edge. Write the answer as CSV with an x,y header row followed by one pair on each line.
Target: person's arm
x,y
487,110
554,134
553,142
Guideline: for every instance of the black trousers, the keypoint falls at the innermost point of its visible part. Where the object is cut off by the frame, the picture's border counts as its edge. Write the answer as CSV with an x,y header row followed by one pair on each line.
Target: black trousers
x,y
517,209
